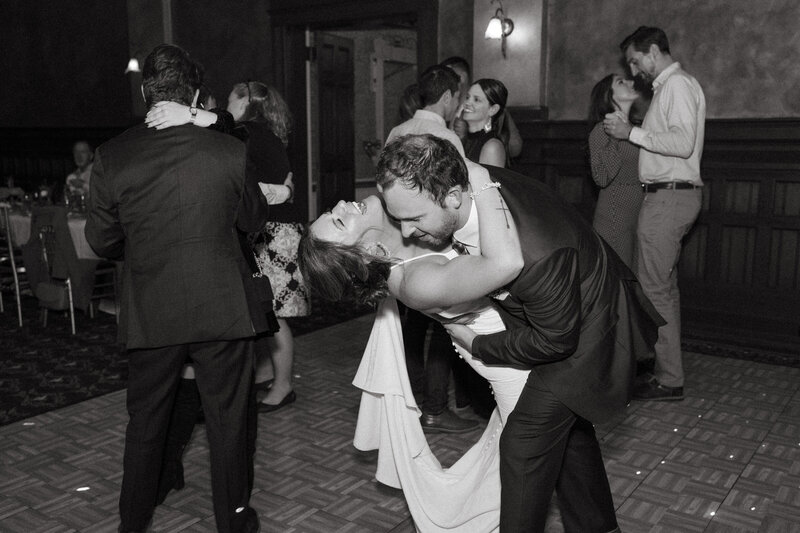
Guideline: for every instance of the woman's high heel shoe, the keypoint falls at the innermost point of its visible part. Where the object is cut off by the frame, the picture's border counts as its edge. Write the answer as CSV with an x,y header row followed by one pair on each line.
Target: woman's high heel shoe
x,y
270,407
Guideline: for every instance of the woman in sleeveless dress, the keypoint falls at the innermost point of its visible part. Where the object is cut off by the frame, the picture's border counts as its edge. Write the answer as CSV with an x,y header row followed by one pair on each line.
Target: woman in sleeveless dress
x,y
357,251
484,111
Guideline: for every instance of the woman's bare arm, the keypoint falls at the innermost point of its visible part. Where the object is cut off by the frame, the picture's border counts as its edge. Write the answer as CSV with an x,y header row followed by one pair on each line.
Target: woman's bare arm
x,y
168,114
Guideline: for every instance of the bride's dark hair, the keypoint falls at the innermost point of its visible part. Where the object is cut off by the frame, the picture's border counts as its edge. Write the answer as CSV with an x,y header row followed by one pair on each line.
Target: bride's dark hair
x,y
336,271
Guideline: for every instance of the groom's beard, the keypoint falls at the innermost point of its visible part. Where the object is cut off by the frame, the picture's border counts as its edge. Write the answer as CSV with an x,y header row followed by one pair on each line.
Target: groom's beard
x,y
442,235
434,241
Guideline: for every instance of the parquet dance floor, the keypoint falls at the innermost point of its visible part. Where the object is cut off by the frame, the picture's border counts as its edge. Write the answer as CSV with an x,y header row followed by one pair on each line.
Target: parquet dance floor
x,y
727,459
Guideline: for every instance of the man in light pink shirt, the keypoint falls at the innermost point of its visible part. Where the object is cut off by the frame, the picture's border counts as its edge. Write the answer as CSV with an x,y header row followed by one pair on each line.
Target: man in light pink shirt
x,y
671,140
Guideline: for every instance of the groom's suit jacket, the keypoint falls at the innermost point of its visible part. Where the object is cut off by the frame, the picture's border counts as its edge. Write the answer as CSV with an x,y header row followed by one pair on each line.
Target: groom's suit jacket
x,y
575,314
168,203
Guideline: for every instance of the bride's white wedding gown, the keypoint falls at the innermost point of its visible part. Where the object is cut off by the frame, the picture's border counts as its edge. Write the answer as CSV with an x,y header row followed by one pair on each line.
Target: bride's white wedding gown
x,y
466,496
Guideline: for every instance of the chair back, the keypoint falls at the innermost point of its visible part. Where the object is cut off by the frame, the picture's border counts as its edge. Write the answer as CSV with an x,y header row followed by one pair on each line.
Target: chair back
x,y
49,246
55,292
62,252
12,268
6,242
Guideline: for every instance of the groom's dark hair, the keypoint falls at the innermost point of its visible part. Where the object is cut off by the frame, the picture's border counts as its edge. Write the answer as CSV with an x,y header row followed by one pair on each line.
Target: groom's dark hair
x,y
424,162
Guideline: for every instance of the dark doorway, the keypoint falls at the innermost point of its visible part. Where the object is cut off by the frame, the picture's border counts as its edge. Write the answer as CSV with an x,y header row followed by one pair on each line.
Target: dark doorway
x,y
292,22
337,173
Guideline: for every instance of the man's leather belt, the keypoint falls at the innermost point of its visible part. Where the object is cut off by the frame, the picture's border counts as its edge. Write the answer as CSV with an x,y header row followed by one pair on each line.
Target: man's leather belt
x,y
669,185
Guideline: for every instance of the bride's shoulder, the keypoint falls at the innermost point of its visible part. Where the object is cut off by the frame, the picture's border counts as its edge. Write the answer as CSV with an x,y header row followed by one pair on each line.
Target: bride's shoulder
x,y
405,271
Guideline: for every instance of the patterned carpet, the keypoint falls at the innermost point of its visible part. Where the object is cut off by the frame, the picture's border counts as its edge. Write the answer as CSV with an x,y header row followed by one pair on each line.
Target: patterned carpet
x,y
45,368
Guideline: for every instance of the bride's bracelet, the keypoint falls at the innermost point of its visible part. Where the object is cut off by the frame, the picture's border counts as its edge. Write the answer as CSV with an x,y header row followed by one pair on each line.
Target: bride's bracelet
x,y
486,187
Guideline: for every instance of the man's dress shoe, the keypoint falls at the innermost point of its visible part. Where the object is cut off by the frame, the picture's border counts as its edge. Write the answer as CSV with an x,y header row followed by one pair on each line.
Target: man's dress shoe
x,y
653,390
446,422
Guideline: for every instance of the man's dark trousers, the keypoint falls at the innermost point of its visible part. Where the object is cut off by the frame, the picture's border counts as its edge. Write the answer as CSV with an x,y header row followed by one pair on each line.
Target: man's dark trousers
x,y
224,374
430,377
546,447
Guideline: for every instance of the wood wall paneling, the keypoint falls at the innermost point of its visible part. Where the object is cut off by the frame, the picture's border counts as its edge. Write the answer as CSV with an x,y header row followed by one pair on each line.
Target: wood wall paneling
x,y
740,264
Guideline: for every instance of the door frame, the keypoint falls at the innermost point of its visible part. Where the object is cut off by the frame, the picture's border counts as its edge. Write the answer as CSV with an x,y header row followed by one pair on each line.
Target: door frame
x,y
289,21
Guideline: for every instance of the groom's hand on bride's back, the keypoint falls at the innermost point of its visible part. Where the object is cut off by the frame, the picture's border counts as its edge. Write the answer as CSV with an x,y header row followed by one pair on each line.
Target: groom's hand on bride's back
x,y
461,335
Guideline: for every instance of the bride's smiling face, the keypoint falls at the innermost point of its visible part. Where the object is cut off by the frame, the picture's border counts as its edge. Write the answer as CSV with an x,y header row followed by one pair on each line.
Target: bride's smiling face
x,y
347,222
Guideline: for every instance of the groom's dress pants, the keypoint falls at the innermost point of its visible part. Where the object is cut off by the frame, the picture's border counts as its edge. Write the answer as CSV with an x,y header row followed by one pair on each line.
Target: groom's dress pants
x,y
546,447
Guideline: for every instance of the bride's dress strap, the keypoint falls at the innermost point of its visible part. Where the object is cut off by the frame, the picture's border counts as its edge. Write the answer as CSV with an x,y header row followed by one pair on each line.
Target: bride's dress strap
x,y
449,255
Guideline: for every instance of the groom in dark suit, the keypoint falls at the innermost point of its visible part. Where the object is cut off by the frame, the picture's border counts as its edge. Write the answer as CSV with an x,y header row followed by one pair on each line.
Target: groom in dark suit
x,y
575,316
168,203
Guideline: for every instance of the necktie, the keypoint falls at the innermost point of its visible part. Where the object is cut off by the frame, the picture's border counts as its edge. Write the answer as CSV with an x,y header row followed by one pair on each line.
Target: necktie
x,y
460,247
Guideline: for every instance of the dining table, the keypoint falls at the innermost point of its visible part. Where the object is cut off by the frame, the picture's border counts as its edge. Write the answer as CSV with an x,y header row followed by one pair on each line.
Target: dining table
x,y
80,266
20,224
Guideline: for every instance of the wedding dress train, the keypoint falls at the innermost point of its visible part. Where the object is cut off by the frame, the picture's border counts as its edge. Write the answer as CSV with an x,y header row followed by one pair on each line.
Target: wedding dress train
x,y
464,497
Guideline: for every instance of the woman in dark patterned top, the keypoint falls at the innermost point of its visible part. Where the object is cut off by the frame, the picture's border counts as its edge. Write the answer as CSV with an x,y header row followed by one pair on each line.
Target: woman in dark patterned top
x,y
484,112
615,169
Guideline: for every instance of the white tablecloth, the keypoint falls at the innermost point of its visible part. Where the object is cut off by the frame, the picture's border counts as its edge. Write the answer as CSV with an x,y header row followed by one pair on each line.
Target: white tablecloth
x,y
21,232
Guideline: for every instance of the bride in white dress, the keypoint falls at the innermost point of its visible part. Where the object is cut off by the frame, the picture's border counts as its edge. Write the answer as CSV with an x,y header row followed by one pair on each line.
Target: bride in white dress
x,y
356,251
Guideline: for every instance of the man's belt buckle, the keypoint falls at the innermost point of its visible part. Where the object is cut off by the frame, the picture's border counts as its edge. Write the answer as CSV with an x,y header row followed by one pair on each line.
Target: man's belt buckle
x,y
668,185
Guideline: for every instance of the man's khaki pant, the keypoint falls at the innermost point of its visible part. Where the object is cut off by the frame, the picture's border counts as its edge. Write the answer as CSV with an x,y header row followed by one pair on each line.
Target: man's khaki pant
x,y
664,219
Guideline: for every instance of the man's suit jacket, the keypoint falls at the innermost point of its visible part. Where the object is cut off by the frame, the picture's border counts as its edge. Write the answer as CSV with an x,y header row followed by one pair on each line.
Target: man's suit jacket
x,y
575,314
168,203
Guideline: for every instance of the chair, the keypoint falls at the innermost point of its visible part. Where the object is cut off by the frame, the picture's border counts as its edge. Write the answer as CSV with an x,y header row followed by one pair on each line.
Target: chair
x,y
49,258
105,287
53,261
52,293
12,269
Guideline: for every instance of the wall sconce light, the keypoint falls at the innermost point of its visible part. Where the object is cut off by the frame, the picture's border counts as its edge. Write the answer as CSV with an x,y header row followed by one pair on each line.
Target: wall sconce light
x,y
133,65
499,27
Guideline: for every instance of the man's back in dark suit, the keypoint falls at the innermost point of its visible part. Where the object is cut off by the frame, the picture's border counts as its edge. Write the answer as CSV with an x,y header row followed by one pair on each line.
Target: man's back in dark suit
x,y
168,203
